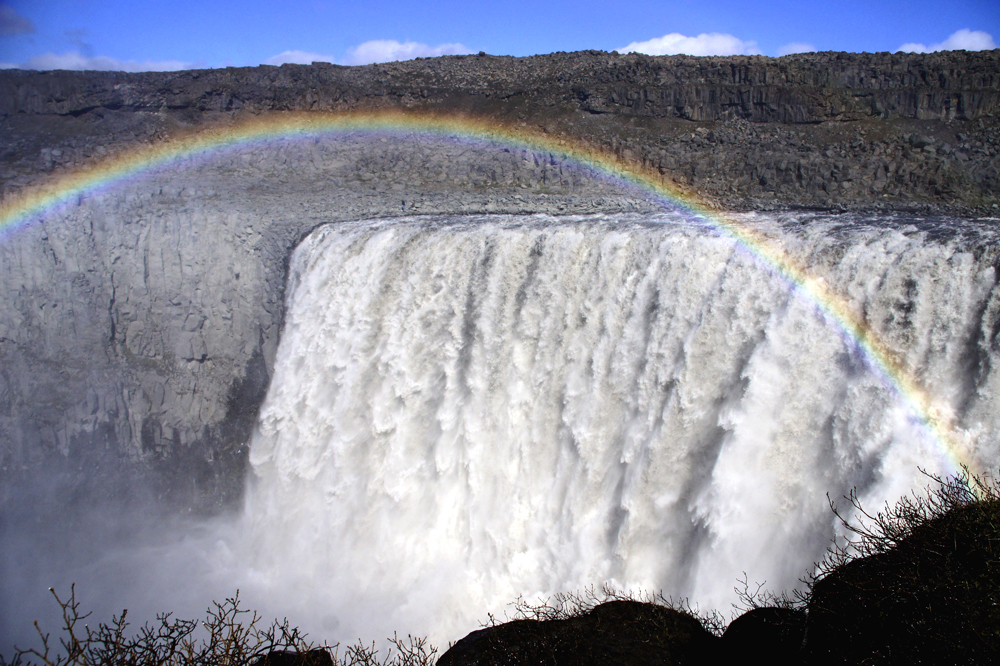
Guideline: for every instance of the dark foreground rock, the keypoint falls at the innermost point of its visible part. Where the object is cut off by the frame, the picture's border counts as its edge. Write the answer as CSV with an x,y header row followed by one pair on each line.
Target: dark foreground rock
x,y
616,632
775,632
632,632
933,599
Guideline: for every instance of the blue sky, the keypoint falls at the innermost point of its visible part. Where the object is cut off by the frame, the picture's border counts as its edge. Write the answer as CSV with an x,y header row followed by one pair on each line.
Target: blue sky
x,y
173,34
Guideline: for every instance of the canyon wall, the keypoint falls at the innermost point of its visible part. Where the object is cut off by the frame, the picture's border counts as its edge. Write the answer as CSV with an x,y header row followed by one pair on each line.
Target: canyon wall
x,y
138,323
821,130
803,88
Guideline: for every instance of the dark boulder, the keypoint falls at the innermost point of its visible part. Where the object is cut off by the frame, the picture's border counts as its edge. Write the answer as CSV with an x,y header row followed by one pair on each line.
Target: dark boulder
x,y
615,632
933,597
775,632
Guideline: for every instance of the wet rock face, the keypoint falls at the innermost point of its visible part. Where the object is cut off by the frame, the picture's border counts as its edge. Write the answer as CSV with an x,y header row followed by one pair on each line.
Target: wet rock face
x,y
125,337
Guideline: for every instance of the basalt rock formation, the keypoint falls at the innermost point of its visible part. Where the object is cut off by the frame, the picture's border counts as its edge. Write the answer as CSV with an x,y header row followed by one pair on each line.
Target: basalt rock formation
x,y
824,129
138,327
804,88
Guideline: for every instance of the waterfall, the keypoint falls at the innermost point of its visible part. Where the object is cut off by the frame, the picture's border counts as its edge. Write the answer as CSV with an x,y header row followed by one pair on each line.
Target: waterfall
x,y
465,410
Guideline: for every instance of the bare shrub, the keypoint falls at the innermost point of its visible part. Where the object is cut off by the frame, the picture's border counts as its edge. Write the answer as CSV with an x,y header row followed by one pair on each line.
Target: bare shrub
x,y
564,606
914,583
228,636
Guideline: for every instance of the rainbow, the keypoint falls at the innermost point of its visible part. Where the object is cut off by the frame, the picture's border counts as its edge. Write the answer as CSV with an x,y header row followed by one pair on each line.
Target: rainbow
x,y
21,208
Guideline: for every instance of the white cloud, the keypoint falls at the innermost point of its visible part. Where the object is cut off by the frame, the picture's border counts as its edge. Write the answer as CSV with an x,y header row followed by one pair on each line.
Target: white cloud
x,y
964,39
712,43
298,58
77,61
376,50
796,47
388,50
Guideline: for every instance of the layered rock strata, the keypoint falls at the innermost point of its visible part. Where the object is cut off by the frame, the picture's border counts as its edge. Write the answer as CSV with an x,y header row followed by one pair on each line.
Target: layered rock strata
x,y
823,130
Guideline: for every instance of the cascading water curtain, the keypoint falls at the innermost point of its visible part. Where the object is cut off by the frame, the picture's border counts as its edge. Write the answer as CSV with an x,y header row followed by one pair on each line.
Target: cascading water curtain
x,y
468,410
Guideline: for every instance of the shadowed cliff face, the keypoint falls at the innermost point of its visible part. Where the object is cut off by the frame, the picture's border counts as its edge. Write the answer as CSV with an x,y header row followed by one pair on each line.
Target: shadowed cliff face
x,y
138,327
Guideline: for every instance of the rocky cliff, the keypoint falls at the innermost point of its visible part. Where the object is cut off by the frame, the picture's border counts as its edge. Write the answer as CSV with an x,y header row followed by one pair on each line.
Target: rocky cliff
x,y
138,324
804,88
824,129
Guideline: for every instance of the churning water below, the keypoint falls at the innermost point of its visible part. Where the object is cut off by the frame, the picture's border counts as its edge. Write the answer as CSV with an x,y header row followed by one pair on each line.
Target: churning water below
x,y
465,410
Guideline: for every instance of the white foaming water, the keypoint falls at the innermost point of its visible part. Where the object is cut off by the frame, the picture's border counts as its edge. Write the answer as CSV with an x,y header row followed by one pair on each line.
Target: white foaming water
x,y
467,410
